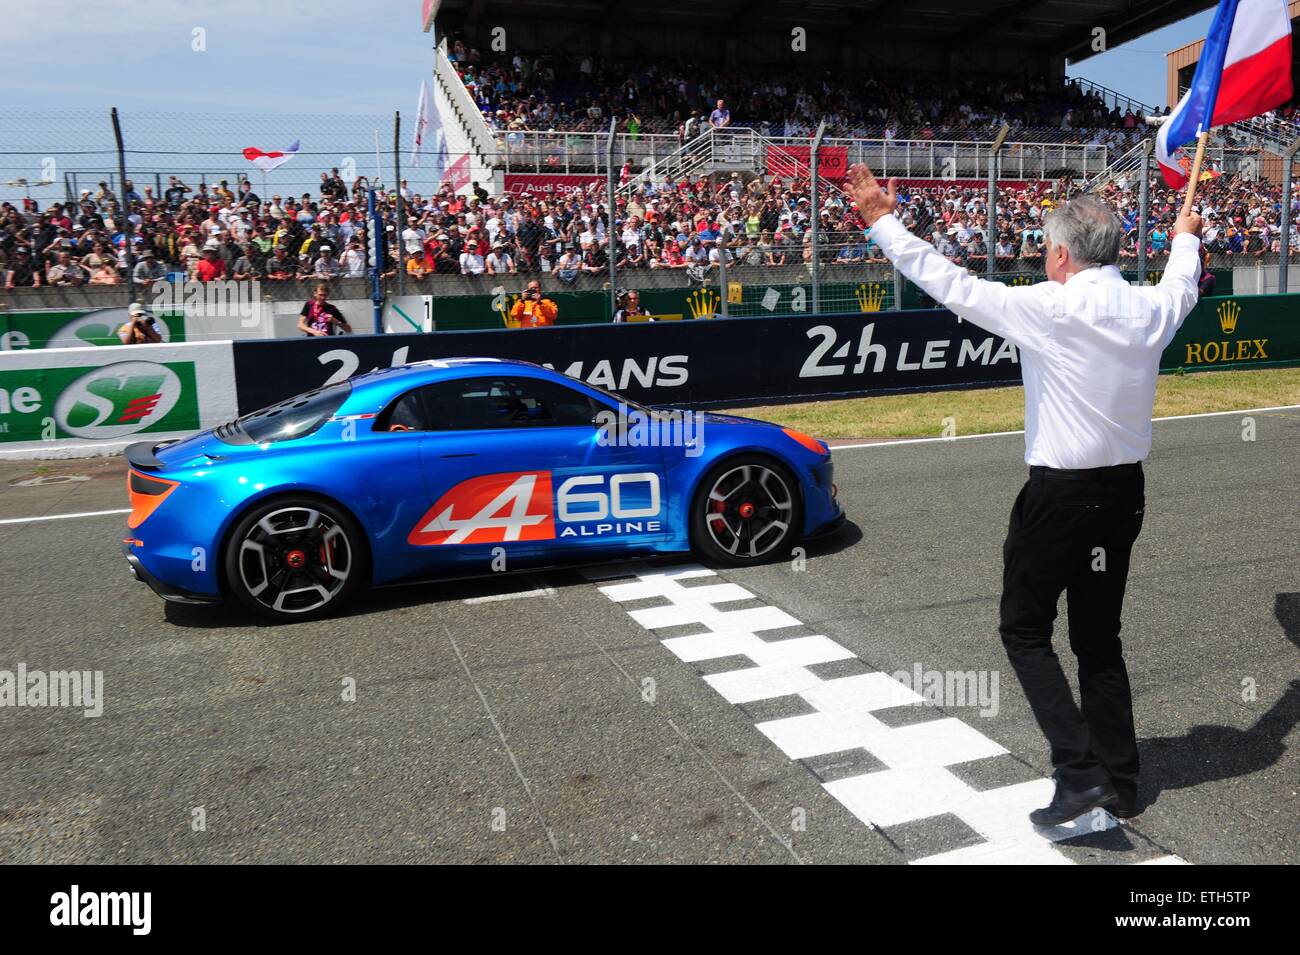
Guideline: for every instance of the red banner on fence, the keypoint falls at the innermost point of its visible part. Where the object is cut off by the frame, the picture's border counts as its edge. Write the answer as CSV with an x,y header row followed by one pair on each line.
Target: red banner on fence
x,y
457,173
793,161
556,185
1013,185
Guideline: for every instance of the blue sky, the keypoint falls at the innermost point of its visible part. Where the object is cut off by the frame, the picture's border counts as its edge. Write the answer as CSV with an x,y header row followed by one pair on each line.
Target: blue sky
x,y
319,56
1137,68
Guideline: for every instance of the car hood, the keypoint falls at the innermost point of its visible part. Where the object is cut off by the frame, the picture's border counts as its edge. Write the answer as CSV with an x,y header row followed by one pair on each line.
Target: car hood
x,y
710,417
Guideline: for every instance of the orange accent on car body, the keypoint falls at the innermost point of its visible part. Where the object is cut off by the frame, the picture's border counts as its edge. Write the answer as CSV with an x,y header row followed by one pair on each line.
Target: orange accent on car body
x,y
808,441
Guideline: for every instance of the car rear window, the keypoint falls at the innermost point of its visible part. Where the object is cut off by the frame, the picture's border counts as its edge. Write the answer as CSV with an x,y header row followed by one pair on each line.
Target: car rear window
x,y
297,417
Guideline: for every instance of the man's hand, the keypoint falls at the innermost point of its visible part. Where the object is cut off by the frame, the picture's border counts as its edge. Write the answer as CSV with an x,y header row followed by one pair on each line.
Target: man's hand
x,y
873,202
1188,222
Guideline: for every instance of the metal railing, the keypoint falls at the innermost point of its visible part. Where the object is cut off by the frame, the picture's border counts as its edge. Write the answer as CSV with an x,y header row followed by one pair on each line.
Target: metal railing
x,y
1112,99
582,152
471,119
1129,163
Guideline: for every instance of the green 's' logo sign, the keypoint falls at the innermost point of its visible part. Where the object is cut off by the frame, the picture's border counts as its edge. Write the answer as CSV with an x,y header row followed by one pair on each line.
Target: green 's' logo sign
x,y
117,400
99,404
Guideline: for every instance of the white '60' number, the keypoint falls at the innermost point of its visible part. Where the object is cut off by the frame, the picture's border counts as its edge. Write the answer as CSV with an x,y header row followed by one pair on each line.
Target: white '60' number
x,y
599,505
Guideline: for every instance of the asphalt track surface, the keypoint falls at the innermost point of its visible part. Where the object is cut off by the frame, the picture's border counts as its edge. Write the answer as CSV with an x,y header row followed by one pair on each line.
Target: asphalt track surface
x,y
663,713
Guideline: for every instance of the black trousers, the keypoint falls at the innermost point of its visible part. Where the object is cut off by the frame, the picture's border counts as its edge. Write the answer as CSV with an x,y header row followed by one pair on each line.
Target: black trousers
x,y
1073,531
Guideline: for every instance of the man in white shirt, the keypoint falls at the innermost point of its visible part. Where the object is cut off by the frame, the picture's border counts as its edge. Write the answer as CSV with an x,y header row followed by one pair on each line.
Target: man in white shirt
x,y
1089,348
471,263
413,238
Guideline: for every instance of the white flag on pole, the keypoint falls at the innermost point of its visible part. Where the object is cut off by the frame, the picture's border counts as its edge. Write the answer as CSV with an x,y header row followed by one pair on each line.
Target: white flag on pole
x,y
421,123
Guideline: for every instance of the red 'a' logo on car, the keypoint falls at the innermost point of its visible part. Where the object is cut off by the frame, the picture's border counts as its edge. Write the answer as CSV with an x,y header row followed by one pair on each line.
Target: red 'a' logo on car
x,y
491,509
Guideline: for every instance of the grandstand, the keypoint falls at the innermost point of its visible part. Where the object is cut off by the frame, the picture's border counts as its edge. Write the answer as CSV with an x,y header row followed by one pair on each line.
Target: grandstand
x,y
698,201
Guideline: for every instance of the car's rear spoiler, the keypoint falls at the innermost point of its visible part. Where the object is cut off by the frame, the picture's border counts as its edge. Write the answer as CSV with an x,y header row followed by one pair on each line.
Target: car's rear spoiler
x,y
141,454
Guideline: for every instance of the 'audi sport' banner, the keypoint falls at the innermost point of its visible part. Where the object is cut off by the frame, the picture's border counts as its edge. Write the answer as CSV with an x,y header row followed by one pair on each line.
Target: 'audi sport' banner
x,y
718,362
559,185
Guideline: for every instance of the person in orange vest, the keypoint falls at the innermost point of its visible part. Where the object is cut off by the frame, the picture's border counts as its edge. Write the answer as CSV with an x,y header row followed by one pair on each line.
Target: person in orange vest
x,y
532,310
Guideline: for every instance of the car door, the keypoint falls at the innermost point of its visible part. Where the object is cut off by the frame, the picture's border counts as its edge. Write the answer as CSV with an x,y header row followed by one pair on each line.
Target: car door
x,y
518,474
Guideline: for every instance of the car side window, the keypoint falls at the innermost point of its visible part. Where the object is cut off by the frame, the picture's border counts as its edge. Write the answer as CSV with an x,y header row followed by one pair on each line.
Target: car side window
x,y
406,414
478,404
547,404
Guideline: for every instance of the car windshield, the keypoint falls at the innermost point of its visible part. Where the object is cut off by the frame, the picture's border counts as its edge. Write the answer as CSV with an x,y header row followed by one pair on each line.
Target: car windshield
x,y
295,418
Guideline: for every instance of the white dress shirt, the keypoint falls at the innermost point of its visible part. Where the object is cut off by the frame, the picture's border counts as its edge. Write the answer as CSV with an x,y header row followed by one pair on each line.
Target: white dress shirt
x,y
1089,347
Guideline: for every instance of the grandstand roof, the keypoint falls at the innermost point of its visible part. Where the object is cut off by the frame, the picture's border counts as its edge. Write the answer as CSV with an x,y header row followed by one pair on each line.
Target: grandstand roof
x,y
1053,29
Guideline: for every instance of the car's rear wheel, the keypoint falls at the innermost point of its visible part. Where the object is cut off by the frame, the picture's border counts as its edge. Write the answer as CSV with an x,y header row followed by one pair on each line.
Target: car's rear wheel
x,y
747,511
294,558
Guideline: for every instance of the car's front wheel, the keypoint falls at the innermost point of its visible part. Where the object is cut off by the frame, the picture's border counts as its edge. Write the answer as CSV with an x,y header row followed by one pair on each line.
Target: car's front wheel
x,y
747,510
294,558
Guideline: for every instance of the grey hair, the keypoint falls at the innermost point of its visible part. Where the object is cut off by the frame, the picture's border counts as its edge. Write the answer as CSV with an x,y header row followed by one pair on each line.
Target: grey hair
x,y
1088,228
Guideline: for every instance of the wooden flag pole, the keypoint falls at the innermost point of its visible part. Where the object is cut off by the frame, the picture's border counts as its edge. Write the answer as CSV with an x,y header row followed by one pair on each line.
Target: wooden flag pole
x,y
1196,171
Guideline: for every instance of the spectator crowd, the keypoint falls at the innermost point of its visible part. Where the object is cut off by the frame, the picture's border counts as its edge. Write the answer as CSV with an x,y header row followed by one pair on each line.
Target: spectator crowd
x,y
216,232
208,231
521,92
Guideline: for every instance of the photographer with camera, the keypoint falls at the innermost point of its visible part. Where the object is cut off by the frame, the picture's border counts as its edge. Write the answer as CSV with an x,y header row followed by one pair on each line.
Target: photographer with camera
x,y
139,328
533,310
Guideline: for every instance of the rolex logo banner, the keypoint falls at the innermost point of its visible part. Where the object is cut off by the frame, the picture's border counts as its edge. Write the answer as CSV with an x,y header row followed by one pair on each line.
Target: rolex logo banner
x,y
1237,331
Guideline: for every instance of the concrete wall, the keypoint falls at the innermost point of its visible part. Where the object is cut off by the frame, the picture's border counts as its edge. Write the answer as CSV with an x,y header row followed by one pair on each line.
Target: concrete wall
x,y
1252,280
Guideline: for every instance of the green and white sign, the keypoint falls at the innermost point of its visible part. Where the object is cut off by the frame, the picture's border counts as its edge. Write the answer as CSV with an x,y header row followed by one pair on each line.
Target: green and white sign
x,y
98,404
94,400
77,329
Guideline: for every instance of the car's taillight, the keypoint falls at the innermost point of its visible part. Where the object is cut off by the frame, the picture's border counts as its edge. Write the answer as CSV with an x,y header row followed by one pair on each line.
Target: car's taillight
x,y
145,493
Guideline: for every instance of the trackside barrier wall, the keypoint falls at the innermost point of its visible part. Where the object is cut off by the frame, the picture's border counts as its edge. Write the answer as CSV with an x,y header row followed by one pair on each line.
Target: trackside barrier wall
x,y
78,328
81,402
706,362
65,402
759,359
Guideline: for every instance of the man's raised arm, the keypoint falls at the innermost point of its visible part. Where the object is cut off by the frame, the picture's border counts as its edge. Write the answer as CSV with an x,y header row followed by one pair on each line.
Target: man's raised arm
x,y
1177,291
1016,313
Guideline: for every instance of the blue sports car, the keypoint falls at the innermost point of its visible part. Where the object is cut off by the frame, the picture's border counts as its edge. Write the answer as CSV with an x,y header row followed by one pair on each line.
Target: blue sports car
x,y
458,467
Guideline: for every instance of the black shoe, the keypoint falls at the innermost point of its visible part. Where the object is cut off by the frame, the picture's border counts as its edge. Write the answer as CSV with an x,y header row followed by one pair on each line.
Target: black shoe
x,y
1067,805
1124,807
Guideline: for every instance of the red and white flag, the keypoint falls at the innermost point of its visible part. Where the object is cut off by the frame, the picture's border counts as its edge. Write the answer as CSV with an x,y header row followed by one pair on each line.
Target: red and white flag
x,y
266,161
1244,70
457,173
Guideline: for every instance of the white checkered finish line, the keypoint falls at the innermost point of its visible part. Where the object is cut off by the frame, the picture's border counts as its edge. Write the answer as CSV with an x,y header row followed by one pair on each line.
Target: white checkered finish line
x,y
917,782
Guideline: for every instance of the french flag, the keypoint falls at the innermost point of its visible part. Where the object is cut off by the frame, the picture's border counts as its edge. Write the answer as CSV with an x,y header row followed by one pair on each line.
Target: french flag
x,y
266,161
1244,70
